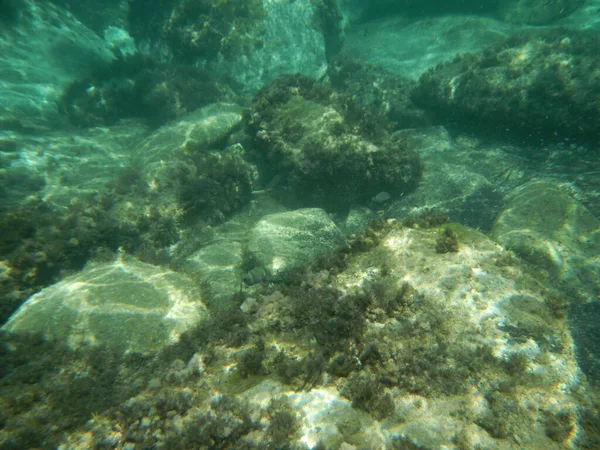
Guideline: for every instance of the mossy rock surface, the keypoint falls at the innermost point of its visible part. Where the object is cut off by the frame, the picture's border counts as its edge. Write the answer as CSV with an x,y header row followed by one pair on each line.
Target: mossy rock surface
x,y
324,152
125,305
524,84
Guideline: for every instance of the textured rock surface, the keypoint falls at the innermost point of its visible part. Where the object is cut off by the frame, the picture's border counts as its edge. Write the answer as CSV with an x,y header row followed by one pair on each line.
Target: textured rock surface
x,y
196,132
73,164
218,267
464,178
473,354
284,241
124,305
410,47
44,51
546,226
290,44
324,152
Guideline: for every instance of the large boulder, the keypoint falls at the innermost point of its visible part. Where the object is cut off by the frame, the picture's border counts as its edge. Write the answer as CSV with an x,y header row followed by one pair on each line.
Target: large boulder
x,y
523,85
465,178
249,42
284,241
218,267
124,305
197,131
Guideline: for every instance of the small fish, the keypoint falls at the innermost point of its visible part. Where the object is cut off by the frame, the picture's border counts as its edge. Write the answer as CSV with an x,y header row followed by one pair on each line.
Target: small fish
x,y
255,276
382,197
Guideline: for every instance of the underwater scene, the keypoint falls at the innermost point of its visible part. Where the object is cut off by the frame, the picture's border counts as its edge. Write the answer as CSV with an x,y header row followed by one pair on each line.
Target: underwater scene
x,y
300,224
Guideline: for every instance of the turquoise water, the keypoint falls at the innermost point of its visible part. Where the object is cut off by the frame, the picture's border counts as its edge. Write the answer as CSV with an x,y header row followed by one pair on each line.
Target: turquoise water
x,y
306,224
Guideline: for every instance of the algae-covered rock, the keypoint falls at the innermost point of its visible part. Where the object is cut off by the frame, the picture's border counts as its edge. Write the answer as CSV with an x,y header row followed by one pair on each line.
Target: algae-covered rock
x,y
136,86
326,153
250,42
284,241
546,226
124,305
181,172
523,84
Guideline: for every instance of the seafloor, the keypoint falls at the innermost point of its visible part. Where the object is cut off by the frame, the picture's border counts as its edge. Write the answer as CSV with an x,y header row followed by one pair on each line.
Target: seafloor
x,y
273,224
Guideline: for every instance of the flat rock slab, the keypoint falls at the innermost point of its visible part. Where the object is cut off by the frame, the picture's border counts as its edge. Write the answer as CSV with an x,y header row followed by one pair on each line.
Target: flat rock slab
x,y
126,305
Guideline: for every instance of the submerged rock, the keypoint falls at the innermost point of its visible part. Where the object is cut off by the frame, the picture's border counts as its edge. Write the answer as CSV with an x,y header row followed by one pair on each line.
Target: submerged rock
x,y
217,267
327,154
541,85
533,12
284,241
546,226
181,172
125,305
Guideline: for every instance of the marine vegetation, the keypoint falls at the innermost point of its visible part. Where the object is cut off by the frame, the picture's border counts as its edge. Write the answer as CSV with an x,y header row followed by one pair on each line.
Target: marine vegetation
x,y
40,242
523,84
305,134
216,185
196,29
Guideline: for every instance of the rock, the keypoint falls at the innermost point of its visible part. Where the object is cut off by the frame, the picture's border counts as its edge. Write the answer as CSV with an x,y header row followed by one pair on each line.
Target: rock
x,y
508,86
290,44
421,43
125,305
196,132
42,53
250,306
323,157
533,12
181,171
358,219
74,166
217,267
544,225
284,241
463,179
249,45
